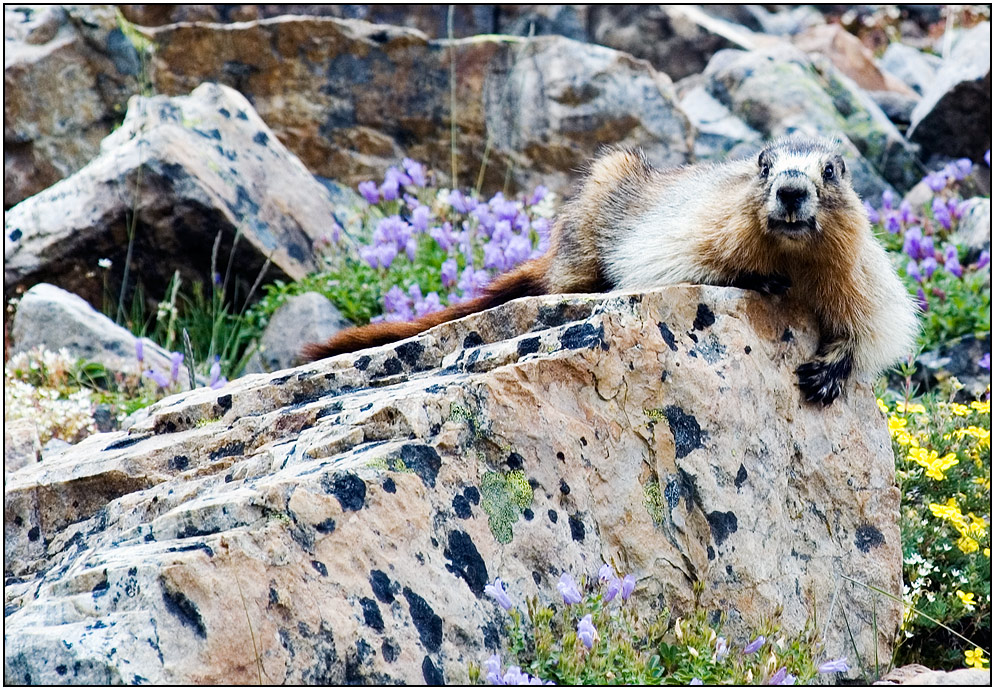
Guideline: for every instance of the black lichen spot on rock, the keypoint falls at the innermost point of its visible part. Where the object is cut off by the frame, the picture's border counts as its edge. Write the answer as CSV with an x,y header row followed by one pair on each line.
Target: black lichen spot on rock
x,y
15,235
663,375
431,674
577,530
747,349
389,486
528,514
380,584
224,402
410,352
536,577
722,524
740,476
260,138
101,587
466,561
180,606
584,335
371,614
711,553
471,360
472,339
528,346
515,461
349,489
472,495
668,336
61,669
320,567
461,507
390,651
704,318
179,462
34,533
326,526
126,442
424,460
391,366
362,362
787,336
867,537
367,406
224,113
553,517
281,380
684,427
427,623
18,521
564,487
228,450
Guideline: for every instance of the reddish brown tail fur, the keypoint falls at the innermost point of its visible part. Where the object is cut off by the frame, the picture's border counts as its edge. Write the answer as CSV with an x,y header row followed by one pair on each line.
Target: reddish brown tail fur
x,y
525,281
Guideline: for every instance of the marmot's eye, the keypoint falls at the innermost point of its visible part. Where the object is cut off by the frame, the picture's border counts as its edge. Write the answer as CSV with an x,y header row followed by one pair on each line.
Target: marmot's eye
x,y
828,172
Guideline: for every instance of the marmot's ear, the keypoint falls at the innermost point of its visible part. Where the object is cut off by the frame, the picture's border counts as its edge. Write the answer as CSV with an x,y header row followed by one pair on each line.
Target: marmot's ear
x,y
841,165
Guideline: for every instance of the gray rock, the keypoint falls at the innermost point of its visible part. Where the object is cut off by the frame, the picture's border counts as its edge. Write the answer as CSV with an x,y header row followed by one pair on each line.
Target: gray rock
x,y
719,131
955,115
50,317
21,445
68,72
190,167
974,229
371,496
914,67
957,359
307,318
896,106
917,674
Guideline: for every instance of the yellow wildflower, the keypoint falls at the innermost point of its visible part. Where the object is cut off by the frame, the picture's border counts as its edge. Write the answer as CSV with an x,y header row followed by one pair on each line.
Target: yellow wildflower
x,y
967,545
978,526
967,598
882,406
960,410
988,552
914,408
982,406
975,658
896,424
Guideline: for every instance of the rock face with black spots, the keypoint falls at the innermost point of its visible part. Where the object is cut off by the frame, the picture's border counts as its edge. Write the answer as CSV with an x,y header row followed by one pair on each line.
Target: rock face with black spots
x,y
177,173
338,522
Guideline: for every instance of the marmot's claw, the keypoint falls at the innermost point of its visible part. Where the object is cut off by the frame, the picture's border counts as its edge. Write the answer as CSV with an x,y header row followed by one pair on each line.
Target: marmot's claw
x,y
774,284
820,381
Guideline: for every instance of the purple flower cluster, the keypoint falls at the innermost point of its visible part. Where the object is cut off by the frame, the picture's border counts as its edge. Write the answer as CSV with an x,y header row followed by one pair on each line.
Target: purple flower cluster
x,y
513,676
478,238
956,171
616,585
496,592
164,381
835,666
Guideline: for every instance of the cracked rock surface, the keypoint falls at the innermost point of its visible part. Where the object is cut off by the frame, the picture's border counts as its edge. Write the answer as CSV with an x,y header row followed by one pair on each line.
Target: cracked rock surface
x,y
337,522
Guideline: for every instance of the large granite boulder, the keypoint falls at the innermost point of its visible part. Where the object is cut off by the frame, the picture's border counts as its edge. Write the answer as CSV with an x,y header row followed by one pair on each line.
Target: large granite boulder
x,y
190,168
352,98
67,73
337,523
954,117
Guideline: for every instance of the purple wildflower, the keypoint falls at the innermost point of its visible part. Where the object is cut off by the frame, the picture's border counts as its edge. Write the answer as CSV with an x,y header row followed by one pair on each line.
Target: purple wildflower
x,y
696,681
391,187
429,304
369,191
414,292
905,212
496,591
986,362
420,217
921,299
872,213
397,305
159,378
336,232
936,181
628,584
941,213
955,207
606,572
613,589
891,222
912,245
416,172
926,248
586,631
494,256
988,158
485,219
835,666
887,200
411,249
443,236
928,267
472,281
721,649
502,232
782,677
217,380
754,646
518,250
984,259
503,208
913,272
493,666
461,202
175,360
961,168
951,262
449,272
538,194
139,350
568,589
385,254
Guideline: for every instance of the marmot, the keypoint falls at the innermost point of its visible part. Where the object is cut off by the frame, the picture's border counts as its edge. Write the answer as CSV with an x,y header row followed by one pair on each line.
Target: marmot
x,y
789,220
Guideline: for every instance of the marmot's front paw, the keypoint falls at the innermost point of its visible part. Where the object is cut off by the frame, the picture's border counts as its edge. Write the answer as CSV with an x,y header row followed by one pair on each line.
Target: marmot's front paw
x,y
772,284
822,381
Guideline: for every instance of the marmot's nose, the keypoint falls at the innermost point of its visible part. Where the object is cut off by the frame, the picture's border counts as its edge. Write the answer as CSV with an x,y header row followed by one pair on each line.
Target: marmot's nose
x,y
791,197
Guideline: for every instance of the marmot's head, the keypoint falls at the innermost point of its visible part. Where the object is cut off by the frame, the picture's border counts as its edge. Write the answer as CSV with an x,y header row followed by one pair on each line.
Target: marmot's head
x,y
805,182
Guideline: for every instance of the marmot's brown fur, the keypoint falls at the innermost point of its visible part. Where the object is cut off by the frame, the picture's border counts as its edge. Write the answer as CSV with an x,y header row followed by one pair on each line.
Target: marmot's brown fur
x,y
787,221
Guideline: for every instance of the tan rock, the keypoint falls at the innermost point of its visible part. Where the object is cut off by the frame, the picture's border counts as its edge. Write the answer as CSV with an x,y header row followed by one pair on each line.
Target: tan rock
x,y
337,522
917,674
851,57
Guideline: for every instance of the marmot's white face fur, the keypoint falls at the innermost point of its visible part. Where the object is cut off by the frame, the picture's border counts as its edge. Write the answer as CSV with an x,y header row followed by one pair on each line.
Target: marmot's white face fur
x,y
801,180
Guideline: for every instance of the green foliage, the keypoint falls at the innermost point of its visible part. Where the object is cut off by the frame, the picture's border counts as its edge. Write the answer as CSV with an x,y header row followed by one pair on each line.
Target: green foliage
x,y
625,645
943,460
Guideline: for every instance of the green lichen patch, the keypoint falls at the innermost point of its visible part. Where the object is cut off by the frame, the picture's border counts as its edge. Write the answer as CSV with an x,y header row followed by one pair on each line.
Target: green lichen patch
x,y
504,496
653,502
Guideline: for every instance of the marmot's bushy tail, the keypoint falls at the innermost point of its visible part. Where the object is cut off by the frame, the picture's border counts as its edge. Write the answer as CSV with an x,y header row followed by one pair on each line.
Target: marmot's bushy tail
x,y
527,280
